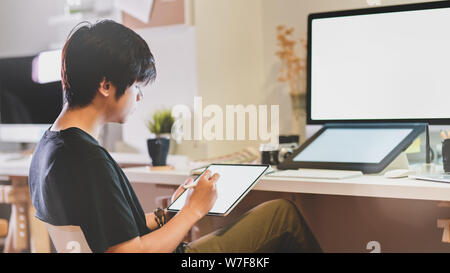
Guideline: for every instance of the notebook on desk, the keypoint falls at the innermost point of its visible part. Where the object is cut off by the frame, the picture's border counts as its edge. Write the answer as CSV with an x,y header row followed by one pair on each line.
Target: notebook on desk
x,y
317,174
442,177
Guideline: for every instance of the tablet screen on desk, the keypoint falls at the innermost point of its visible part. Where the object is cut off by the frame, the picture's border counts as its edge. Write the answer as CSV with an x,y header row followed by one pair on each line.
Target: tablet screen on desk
x,y
360,145
366,147
235,181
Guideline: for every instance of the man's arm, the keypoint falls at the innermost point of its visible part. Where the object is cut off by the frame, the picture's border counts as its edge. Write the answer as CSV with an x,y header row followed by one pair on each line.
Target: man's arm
x,y
165,239
150,221
199,201
150,217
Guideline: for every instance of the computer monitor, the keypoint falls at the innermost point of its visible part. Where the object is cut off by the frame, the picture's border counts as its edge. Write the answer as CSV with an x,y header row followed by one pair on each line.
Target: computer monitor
x,y
389,64
27,108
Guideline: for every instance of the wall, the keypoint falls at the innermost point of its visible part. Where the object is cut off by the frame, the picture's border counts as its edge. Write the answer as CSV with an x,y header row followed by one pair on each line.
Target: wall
x,y
226,68
174,48
24,26
230,59
236,42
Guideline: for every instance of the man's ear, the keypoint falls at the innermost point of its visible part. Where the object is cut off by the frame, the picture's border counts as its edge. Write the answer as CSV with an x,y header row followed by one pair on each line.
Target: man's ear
x,y
105,88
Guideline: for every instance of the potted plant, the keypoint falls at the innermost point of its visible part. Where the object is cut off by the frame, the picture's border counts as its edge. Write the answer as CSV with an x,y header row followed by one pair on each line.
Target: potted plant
x,y
161,126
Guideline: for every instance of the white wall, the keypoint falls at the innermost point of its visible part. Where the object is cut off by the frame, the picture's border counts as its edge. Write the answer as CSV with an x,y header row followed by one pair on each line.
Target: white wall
x,y
174,48
24,26
236,42
230,59
227,67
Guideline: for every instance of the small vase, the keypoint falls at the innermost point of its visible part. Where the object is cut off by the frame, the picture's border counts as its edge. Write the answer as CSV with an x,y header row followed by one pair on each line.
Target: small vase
x,y
298,125
158,149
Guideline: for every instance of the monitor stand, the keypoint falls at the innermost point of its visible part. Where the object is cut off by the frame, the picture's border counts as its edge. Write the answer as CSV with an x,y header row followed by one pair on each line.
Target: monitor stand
x,y
400,162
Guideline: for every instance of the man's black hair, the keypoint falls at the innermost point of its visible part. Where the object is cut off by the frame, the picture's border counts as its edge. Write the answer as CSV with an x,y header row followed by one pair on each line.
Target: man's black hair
x,y
104,50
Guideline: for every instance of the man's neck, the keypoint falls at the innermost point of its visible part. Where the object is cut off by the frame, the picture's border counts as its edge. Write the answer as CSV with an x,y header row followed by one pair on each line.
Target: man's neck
x,y
88,118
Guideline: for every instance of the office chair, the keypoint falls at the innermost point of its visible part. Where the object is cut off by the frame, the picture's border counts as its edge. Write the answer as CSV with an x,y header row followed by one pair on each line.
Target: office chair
x,y
3,231
68,239
3,228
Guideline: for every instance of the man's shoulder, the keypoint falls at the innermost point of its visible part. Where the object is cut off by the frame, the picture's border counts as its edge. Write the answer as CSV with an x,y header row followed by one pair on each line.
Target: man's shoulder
x,y
68,152
82,147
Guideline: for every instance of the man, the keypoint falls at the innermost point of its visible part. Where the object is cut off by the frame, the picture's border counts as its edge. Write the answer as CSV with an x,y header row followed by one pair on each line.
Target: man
x,y
74,181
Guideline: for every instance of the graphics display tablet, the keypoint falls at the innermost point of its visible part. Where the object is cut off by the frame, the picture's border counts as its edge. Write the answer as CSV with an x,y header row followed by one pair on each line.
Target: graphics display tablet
x,y
235,181
365,147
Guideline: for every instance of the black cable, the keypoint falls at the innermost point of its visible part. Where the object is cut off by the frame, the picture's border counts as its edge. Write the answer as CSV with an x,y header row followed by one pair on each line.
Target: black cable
x,y
427,145
1,101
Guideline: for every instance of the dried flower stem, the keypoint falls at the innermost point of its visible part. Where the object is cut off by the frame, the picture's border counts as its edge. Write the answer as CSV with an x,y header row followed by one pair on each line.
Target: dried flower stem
x,y
293,67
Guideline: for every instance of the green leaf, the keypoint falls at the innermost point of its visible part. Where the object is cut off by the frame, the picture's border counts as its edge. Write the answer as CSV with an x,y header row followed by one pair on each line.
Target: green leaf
x,y
162,122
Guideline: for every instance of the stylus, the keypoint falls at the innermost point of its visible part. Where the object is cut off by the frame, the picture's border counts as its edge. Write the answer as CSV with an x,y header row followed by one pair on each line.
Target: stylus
x,y
190,186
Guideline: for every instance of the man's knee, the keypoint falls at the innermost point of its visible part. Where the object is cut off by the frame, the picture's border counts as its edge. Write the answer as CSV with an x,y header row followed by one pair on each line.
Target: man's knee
x,y
288,212
282,204
281,209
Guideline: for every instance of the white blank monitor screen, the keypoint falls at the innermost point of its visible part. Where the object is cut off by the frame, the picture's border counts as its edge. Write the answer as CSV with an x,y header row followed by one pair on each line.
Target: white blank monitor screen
x,y
353,145
393,65
234,182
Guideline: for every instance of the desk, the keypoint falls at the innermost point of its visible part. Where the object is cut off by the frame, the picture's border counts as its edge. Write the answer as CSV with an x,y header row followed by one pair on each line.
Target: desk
x,y
365,186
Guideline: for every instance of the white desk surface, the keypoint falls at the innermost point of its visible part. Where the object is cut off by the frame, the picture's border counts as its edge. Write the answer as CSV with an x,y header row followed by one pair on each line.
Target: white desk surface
x,y
13,164
367,185
364,186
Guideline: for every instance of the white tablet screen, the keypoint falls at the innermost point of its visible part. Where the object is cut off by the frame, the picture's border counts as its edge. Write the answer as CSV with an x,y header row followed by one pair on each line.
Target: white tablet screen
x,y
355,145
235,181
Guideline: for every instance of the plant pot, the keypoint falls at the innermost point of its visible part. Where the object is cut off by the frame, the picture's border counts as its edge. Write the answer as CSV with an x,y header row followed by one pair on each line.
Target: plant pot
x,y
298,127
158,148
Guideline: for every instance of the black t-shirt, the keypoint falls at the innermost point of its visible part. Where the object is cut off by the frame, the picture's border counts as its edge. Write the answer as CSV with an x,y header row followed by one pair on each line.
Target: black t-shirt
x,y
74,181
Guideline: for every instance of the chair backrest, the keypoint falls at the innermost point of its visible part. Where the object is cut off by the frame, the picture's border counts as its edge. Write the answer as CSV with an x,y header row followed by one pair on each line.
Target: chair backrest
x,y
68,239
3,227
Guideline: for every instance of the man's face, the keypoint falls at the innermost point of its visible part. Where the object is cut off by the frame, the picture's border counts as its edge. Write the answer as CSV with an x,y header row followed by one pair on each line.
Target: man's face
x,y
119,110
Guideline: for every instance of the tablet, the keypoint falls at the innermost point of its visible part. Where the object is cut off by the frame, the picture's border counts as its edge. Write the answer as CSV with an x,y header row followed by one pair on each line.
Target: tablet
x,y
235,181
364,147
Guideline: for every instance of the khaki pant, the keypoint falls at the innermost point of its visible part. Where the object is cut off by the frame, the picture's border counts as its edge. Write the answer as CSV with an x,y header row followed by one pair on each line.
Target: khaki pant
x,y
274,226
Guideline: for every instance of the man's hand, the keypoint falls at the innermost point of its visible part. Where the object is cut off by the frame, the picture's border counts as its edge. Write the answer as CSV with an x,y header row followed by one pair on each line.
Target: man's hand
x,y
201,198
181,189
